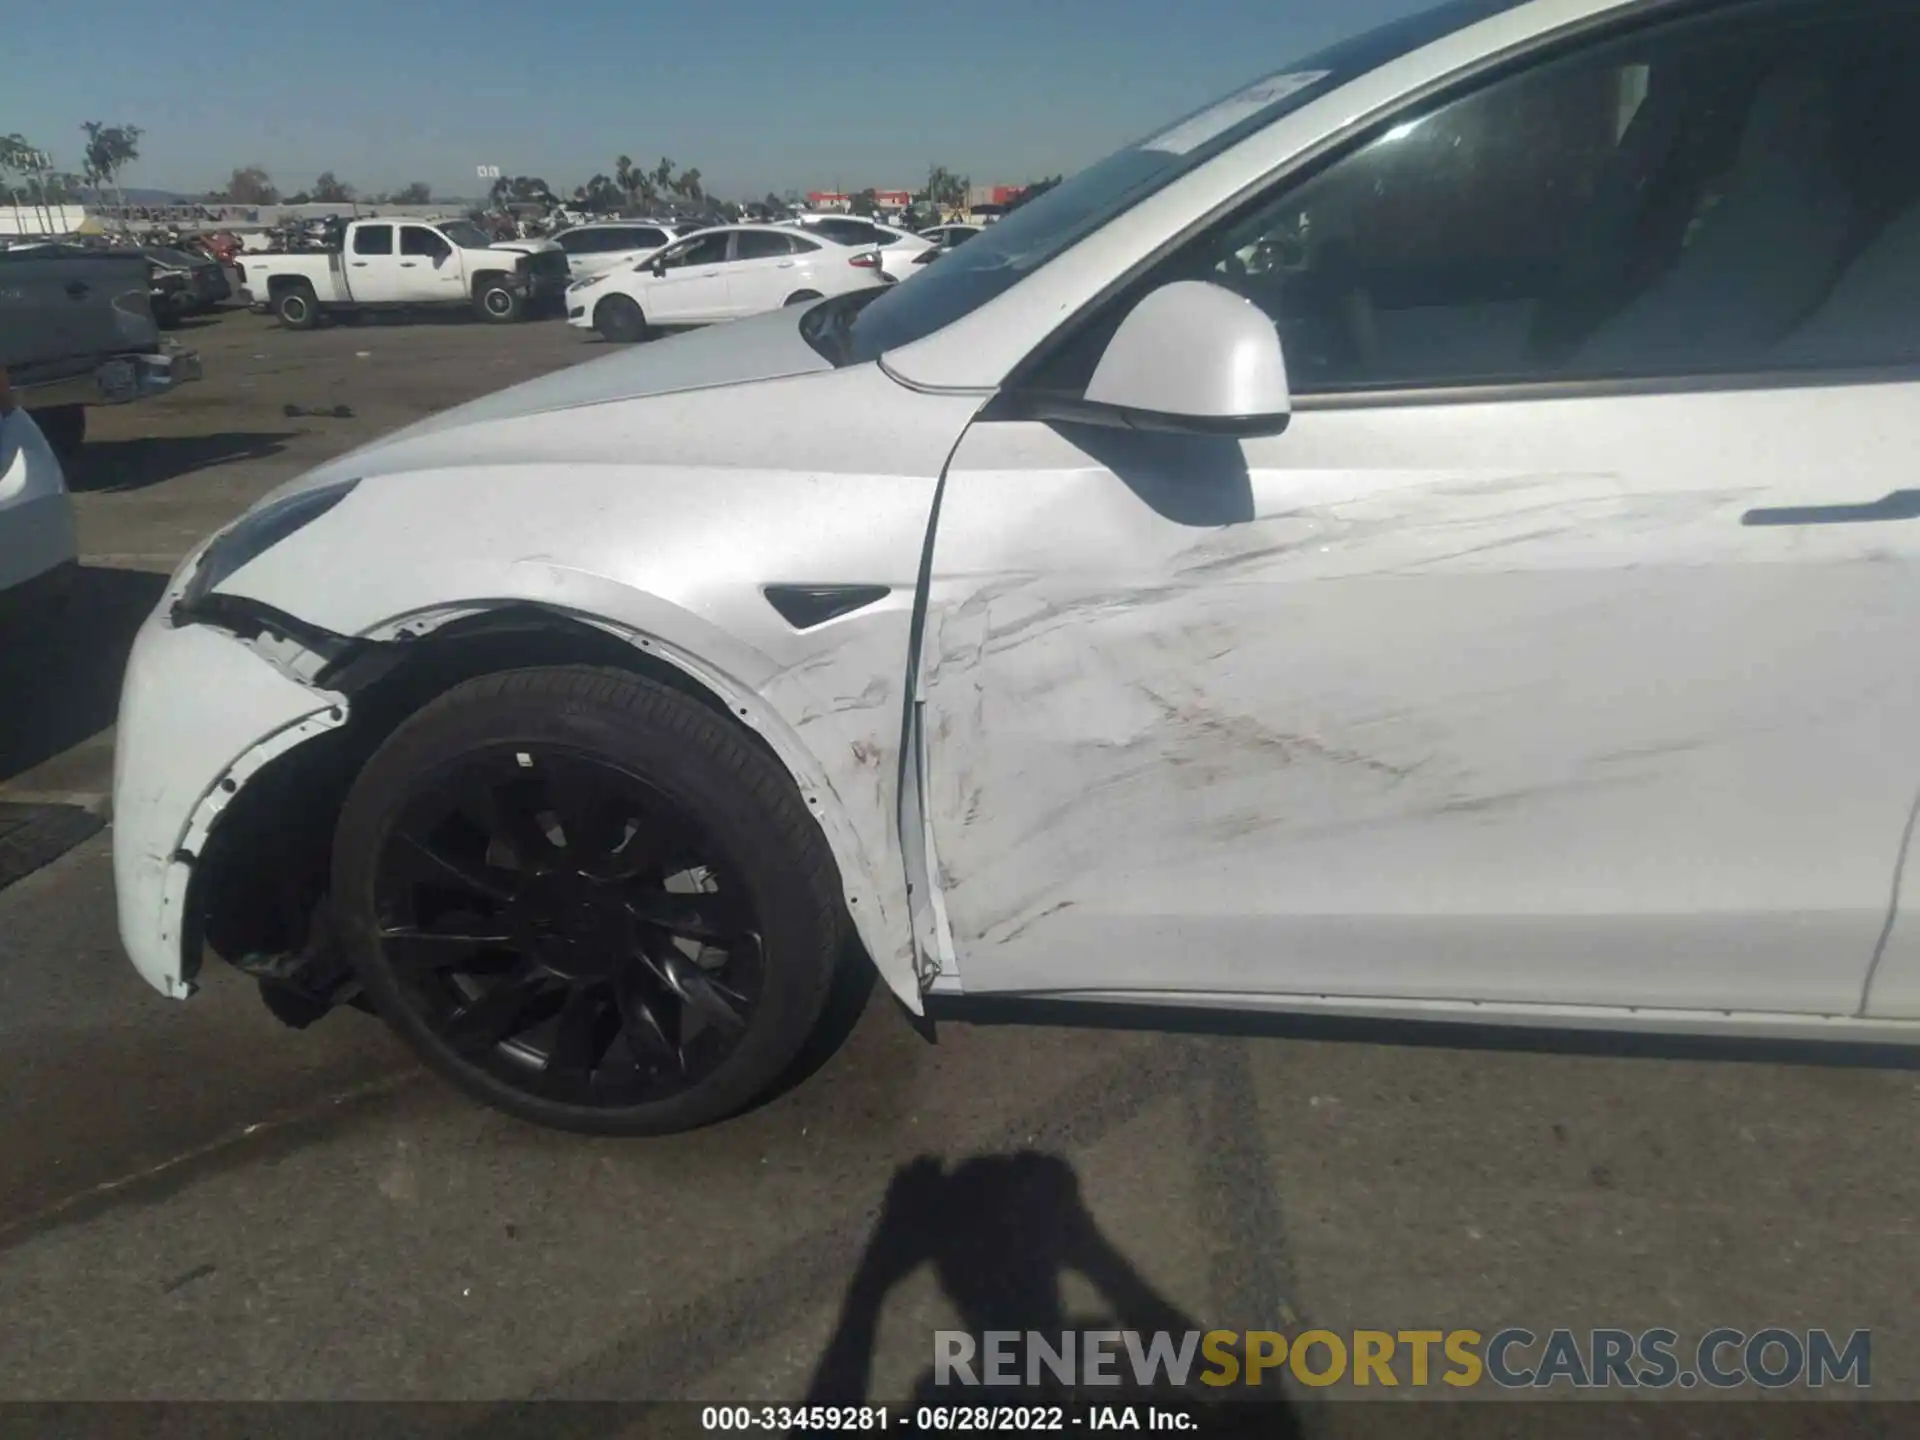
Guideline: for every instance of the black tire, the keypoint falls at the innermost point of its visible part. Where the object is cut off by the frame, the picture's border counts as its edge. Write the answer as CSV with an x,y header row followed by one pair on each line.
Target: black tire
x,y
65,429
620,318
497,302
562,732
802,297
297,307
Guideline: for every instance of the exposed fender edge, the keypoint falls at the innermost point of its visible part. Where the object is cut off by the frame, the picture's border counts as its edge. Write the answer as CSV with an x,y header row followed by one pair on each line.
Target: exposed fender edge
x,y
329,714
879,912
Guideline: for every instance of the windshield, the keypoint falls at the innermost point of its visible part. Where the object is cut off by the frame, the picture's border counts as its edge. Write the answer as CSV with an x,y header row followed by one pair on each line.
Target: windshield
x,y
466,234
1006,252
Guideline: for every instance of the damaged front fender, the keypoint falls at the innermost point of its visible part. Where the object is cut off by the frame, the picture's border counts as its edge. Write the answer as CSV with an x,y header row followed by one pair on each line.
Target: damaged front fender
x,y
200,715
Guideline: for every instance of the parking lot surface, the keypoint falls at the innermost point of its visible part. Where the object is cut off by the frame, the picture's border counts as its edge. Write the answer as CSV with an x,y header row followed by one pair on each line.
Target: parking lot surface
x,y
197,1202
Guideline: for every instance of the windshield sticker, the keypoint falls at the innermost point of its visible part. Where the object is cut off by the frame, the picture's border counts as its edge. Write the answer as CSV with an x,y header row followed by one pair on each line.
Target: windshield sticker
x,y
1217,119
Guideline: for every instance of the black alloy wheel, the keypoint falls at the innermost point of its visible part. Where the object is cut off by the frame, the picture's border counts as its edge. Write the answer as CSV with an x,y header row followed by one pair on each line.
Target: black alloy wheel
x,y
562,923
566,931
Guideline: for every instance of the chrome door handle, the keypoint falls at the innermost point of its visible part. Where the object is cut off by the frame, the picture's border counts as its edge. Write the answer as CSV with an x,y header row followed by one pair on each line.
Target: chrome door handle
x,y
359,264
406,264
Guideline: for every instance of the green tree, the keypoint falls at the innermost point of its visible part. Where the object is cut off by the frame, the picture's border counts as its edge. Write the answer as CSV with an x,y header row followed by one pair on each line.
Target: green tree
x,y
687,186
249,185
634,183
943,188
329,189
865,203
414,192
600,196
109,150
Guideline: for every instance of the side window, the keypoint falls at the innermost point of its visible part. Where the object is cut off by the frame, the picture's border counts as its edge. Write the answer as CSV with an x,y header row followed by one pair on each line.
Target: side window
x,y
644,238
1724,195
418,240
761,245
373,240
803,246
701,250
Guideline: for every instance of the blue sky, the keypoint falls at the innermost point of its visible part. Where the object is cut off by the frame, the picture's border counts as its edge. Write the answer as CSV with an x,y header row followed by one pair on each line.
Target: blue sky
x,y
759,94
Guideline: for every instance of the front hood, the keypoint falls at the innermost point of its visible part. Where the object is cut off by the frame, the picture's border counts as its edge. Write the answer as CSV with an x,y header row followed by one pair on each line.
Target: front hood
x,y
533,246
766,347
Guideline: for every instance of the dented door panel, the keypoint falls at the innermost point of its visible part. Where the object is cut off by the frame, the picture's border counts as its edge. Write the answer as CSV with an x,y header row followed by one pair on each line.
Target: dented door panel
x,y
1561,700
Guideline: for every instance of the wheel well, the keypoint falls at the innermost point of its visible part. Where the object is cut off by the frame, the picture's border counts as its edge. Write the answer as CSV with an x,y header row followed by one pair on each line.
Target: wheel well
x,y
485,277
278,285
264,872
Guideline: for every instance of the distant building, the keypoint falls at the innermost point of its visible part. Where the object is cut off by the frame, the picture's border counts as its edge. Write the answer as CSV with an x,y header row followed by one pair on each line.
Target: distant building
x,y
997,196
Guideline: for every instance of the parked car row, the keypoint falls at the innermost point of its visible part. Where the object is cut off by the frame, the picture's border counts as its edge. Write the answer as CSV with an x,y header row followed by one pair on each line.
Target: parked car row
x,y
633,279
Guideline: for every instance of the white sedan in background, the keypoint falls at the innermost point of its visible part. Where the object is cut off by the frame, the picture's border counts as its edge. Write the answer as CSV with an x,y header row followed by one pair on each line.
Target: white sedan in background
x,y
726,273
1497,612
898,249
600,246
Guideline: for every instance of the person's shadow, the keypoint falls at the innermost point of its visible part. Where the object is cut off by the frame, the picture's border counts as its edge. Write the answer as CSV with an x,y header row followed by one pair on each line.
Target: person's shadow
x,y
1001,1233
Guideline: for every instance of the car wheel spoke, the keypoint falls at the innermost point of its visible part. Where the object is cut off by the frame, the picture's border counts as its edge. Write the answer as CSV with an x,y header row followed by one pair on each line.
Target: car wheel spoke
x,y
701,997
441,949
593,821
501,810
578,1040
645,1034
512,1005
704,916
430,864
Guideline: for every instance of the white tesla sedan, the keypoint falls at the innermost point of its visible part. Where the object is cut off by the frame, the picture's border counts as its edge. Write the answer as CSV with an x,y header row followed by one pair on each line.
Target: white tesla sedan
x,y
725,273
1493,608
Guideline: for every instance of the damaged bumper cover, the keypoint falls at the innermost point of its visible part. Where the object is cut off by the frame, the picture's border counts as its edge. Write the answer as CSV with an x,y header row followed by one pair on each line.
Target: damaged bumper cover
x,y
201,712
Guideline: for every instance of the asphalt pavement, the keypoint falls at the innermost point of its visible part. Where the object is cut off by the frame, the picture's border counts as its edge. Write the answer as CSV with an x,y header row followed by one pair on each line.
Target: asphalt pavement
x,y
199,1203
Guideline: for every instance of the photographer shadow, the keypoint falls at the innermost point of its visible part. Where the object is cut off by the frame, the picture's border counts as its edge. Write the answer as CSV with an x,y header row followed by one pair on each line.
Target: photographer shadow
x,y
1002,1232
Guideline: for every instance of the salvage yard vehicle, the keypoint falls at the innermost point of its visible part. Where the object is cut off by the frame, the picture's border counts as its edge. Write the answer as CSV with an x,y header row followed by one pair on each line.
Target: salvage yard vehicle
x,y
77,329
406,264
724,273
185,283
1497,612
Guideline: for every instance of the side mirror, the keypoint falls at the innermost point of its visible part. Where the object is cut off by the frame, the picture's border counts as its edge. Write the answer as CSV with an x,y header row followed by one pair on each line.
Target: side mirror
x,y
1191,358
659,266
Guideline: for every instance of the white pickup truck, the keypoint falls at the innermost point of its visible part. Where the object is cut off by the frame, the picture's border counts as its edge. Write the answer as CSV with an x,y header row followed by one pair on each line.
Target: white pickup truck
x,y
401,264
